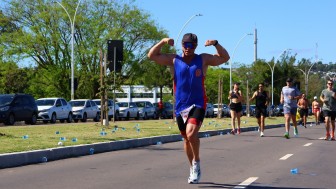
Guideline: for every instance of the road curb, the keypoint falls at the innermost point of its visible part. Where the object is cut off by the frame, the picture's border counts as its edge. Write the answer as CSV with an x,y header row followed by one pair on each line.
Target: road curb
x,y
41,156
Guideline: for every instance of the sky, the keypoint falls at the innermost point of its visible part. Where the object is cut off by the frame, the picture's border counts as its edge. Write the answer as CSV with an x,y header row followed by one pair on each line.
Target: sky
x,y
307,27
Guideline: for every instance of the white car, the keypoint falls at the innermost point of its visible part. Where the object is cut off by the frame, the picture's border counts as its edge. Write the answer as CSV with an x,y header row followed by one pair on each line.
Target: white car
x,y
225,110
209,112
84,109
146,109
128,110
110,107
52,109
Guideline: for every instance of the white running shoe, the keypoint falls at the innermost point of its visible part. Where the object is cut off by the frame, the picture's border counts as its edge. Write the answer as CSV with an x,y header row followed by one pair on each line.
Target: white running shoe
x,y
195,173
261,134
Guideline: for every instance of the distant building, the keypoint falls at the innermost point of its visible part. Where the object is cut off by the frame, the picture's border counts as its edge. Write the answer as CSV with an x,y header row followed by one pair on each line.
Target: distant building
x,y
133,93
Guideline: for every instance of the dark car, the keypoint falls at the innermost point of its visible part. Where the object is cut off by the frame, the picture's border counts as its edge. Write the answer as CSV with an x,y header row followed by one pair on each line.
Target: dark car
x,y
244,111
18,107
167,111
278,110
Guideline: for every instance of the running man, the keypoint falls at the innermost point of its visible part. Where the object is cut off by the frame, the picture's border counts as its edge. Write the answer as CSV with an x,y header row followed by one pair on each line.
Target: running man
x,y
328,96
289,95
303,109
316,110
262,100
189,71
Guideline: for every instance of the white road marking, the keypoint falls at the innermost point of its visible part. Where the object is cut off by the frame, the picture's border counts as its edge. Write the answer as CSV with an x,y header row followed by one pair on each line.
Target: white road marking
x,y
246,182
308,144
286,157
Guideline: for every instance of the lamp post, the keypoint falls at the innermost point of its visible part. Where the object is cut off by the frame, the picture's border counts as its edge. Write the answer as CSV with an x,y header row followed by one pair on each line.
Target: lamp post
x,y
72,22
240,40
185,24
272,70
306,76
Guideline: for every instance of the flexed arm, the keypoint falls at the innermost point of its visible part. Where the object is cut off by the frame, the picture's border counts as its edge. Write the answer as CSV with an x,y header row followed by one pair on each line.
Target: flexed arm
x,y
219,58
162,59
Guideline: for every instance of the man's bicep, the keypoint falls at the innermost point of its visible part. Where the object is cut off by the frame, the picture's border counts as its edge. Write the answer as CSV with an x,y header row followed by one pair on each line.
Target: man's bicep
x,y
164,59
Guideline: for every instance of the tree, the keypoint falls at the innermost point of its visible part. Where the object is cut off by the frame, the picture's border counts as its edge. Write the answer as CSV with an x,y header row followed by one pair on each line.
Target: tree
x,y
44,36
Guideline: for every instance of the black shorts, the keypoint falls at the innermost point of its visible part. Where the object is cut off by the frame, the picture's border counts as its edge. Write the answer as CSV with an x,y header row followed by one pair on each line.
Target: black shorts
x,y
261,111
197,113
331,114
237,107
303,112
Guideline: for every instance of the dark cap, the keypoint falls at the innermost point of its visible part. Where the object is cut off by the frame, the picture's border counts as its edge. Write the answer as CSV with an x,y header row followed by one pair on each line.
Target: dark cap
x,y
289,79
236,83
189,37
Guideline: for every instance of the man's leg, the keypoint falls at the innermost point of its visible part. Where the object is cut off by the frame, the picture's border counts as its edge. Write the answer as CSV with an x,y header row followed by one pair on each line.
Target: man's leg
x,y
327,126
193,127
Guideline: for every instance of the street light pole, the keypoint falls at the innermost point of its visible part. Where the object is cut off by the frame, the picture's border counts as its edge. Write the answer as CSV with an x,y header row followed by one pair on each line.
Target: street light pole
x,y
230,61
306,77
72,22
272,70
185,24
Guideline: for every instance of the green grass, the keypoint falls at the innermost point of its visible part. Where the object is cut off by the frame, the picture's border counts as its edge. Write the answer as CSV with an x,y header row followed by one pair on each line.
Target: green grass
x,y
44,136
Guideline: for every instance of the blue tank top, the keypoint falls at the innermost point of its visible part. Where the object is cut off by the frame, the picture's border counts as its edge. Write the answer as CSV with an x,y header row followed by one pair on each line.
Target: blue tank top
x,y
189,84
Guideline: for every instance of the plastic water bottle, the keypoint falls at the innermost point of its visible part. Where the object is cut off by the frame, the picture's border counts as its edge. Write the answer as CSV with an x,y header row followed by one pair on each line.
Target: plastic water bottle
x,y
74,139
159,143
63,139
44,159
25,136
294,171
102,133
91,151
57,132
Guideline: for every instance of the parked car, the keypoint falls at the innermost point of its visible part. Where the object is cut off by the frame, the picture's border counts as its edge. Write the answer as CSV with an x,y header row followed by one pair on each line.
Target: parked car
x,y
167,111
52,109
278,110
271,110
209,111
252,110
225,110
17,107
217,109
128,110
110,107
84,109
146,110
244,111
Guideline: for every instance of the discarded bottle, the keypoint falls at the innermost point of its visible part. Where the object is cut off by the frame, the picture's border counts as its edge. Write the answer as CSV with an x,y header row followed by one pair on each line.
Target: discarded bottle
x,y
57,132
103,133
74,139
25,136
91,151
159,143
44,159
63,139
294,171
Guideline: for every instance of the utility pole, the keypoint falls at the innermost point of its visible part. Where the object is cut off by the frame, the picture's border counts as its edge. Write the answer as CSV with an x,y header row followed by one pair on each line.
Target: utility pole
x,y
220,97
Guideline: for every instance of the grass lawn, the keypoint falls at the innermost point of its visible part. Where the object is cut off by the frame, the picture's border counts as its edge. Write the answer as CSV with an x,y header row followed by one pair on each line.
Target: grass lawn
x,y
27,137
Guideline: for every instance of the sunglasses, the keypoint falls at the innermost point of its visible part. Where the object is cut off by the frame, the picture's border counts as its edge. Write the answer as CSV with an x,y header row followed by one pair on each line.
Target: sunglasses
x,y
189,45
329,83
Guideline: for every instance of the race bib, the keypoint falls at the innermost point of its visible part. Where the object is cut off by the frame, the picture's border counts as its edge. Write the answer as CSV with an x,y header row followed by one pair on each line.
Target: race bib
x,y
185,113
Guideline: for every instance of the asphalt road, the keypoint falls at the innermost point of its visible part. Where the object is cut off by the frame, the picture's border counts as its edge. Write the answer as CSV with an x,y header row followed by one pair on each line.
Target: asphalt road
x,y
227,161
